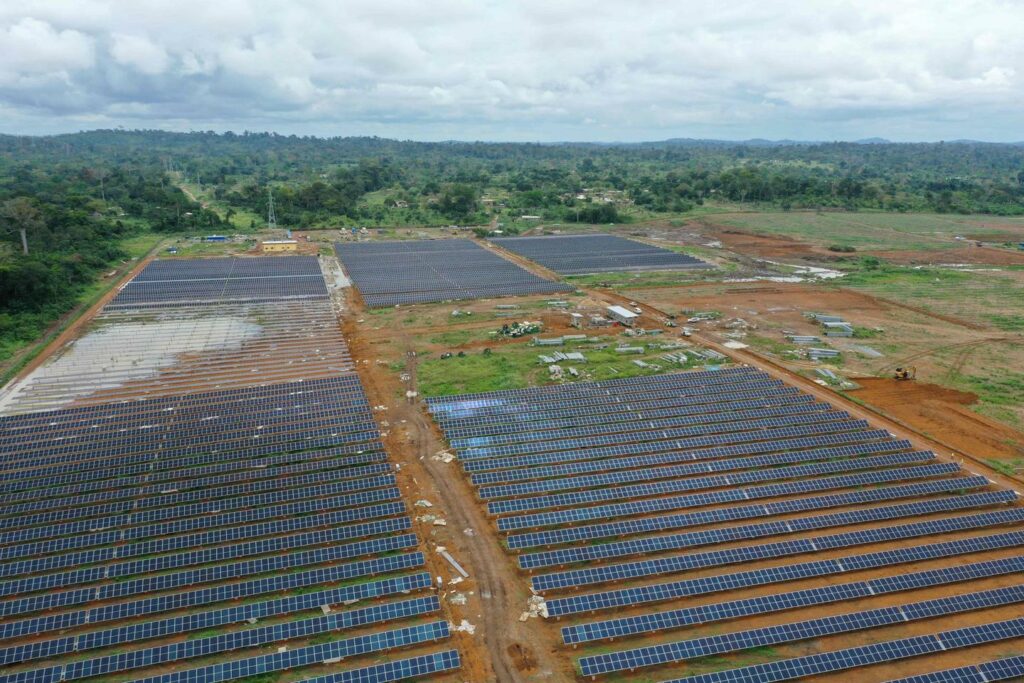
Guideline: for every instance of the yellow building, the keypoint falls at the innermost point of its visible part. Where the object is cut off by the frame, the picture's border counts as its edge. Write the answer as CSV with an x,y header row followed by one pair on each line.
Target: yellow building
x,y
275,246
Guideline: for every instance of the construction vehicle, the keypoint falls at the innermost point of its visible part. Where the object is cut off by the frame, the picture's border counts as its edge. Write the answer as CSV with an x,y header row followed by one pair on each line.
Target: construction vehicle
x,y
905,374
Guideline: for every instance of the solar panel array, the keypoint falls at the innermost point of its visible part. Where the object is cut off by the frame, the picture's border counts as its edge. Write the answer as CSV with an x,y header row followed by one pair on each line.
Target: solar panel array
x,y
181,326
621,495
421,271
596,253
217,280
211,535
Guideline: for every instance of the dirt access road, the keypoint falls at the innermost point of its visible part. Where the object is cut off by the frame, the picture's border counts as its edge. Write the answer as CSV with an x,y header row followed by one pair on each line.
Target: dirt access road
x,y
503,648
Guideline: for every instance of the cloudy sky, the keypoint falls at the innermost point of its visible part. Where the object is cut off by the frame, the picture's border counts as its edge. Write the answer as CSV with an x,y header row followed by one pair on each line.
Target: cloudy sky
x,y
531,70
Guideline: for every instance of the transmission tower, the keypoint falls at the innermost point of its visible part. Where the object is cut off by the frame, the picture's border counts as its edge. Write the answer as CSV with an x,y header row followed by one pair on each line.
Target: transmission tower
x,y
271,216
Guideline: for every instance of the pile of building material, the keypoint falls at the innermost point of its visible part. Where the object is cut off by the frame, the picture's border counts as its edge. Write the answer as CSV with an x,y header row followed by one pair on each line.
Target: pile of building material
x,y
629,349
550,341
558,356
518,329
803,339
707,355
868,351
832,325
818,353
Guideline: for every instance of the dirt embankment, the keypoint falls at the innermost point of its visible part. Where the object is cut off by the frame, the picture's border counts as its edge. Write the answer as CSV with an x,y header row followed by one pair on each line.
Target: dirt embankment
x,y
942,414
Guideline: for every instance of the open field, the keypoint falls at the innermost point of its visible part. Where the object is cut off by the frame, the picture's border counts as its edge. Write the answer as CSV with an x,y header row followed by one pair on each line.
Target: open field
x,y
877,231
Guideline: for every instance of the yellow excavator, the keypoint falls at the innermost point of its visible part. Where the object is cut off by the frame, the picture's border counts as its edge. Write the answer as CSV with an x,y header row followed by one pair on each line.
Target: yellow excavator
x,y
905,374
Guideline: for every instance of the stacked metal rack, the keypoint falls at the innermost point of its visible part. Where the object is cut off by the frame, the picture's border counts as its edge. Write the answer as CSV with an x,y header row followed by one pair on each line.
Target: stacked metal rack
x,y
175,538
596,253
660,484
421,271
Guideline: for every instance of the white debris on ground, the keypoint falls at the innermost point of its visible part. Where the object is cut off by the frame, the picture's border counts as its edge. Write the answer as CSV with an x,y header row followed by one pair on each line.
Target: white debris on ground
x,y
465,627
535,607
424,503
443,456
457,598
440,522
456,581
429,519
469,532
734,345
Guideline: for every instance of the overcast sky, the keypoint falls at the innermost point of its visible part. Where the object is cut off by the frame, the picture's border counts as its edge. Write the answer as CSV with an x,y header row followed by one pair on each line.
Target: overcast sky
x,y
535,70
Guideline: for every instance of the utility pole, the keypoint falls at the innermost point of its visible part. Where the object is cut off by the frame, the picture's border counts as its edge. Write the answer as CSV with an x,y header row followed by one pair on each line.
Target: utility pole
x,y
271,216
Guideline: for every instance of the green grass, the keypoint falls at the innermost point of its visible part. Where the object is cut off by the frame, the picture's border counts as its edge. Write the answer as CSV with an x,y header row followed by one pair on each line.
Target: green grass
x,y
457,337
987,297
872,230
1008,468
515,366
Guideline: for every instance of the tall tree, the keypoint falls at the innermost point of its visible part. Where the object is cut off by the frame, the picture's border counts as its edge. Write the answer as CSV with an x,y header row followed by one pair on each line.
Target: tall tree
x,y
22,215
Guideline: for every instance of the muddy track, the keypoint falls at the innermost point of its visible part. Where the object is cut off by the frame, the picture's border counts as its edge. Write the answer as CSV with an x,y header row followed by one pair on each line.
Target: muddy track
x,y
503,648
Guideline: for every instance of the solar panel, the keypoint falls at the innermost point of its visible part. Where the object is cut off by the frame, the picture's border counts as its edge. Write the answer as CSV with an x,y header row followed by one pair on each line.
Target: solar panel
x,y
738,493
255,637
877,653
654,524
791,632
596,253
678,485
418,271
716,558
648,594
693,539
692,616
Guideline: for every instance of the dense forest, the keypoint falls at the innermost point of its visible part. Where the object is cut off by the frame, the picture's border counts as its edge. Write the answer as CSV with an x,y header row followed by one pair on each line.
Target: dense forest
x,y
62,223
329,182
76,197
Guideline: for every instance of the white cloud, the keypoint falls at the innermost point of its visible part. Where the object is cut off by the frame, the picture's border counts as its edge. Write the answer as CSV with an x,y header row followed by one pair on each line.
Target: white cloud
x,y
532,69
140,54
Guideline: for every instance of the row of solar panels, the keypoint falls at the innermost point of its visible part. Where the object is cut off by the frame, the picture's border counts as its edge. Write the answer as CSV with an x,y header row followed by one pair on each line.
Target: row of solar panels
x,y
394,273
595,253
198,269
628,660
132,412
627,469
140,539
183,282
877,653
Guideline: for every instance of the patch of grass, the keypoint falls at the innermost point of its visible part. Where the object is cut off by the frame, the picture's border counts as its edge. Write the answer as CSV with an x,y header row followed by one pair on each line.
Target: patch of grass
x,y
870,230
516,365
1004,389
454,338
1004,467
865,332
1009,323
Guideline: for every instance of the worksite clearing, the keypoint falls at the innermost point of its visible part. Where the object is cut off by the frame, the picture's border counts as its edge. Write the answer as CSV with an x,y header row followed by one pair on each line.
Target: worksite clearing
x,y
788,462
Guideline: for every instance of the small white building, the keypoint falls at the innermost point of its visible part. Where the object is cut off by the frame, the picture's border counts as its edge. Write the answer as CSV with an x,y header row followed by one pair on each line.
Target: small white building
x,y
622,315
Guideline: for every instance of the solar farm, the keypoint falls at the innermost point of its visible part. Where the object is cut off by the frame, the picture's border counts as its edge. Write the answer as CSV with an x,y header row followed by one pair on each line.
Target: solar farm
x,y
420,271
595,253
197,490
722,526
